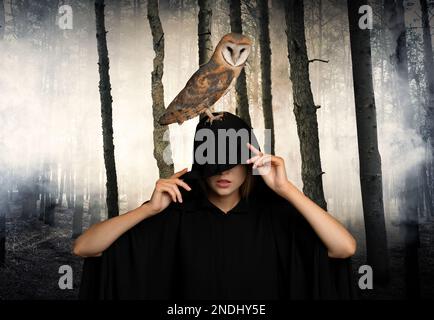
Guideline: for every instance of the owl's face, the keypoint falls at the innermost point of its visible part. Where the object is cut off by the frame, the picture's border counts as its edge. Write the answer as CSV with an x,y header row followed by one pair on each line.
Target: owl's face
x,y
235,49
235,54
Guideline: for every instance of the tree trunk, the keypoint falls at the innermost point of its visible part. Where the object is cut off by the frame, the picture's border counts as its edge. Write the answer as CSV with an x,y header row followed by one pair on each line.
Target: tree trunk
x,y
241,86
50,203
204,34
320,51
106,111
394,18
429,67
49,91
304,107
69,187
369,156
204,31
43,190
2,20
28,194
428,186
35,195
2,230
425,201
162,152
395,21
94,206
62,185
77,220
267,102
429,78
116,36
254,74
4,203
4,210
410,230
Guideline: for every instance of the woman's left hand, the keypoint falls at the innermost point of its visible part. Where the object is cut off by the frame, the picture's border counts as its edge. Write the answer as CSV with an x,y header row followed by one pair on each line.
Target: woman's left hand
x,y
271,168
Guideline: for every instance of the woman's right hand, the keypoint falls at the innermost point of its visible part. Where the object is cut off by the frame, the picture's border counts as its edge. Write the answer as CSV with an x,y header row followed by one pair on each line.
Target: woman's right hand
x,y
166,191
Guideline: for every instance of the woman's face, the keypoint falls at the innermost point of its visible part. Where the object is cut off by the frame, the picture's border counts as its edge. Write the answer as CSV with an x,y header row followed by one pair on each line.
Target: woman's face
x,y
228,181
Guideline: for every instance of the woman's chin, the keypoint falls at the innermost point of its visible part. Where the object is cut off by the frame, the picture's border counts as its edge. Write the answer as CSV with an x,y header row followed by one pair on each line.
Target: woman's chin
x,y
223,191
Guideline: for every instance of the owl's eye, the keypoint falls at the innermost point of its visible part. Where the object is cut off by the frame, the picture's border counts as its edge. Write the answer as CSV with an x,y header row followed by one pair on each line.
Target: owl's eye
x,y
242,50
230,50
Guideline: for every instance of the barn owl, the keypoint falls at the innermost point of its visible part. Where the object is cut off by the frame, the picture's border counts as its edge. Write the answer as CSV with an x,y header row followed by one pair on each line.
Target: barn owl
x,y
210,82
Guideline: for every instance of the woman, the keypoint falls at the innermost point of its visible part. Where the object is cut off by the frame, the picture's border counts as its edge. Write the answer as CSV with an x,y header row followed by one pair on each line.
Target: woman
x,y
220,232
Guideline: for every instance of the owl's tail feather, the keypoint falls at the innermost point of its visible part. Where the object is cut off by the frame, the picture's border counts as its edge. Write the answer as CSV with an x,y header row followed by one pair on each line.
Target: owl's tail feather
x,y
170,117
180,115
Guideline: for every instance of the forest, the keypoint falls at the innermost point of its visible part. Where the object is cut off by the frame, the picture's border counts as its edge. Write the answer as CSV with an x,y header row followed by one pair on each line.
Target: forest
x,y
346,88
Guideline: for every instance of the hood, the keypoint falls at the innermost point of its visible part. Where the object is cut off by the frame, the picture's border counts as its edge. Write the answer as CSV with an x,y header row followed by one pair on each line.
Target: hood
x,y
221,145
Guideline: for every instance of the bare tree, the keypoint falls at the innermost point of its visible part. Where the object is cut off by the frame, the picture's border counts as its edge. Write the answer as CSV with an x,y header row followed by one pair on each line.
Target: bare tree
x,y
429,64
264,40
429,78
241,86
160,142
77,218
106,111
4,210
4,204
204,31
304,107
369,156
2,19
395,22
3,185
204,34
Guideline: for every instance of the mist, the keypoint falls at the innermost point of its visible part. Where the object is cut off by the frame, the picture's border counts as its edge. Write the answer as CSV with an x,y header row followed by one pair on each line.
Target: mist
x,y
51,112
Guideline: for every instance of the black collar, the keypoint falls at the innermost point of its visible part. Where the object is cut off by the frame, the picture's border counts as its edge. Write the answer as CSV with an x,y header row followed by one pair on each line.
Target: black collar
x,y
241,207
194,204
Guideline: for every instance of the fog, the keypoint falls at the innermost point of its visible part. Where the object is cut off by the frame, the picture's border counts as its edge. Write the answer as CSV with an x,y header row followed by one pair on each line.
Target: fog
x,y
50,109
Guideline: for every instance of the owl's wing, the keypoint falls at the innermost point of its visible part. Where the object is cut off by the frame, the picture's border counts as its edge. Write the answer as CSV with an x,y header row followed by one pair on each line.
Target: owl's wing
x,y
206,86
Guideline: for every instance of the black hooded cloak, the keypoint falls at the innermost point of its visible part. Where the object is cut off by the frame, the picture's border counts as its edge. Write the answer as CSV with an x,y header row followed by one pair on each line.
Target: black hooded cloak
x,y
261,249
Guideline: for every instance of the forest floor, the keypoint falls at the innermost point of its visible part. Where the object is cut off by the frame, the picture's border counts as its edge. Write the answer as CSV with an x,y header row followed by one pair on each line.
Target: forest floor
x,y
35,252
395,289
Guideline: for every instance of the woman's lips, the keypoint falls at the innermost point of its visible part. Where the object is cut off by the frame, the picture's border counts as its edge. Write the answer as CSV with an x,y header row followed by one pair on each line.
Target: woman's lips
x,y
223,183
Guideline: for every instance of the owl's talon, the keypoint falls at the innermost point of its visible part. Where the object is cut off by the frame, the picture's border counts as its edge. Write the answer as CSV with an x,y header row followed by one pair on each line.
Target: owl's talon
x,y
212,117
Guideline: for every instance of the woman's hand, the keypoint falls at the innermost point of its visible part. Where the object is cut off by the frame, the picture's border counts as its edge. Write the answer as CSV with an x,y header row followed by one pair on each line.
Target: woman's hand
x,y
339,242
271,168
166,191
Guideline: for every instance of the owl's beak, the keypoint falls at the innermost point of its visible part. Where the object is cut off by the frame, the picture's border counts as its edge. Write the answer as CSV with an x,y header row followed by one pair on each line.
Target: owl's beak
x,y
235,56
